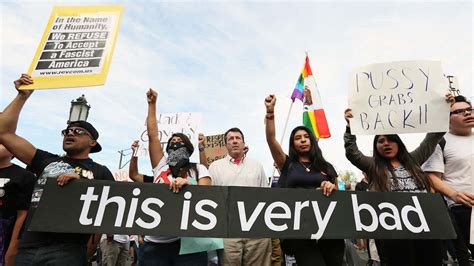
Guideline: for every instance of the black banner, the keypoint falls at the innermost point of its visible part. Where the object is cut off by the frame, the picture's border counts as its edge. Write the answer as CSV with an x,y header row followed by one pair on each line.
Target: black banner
x,y
212,211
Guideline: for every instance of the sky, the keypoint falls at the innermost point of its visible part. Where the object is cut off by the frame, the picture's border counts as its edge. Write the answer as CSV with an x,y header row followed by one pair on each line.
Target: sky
x,y
222,58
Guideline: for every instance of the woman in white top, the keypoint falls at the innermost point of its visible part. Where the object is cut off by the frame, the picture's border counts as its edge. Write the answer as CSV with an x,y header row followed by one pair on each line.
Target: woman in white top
x,y
176,171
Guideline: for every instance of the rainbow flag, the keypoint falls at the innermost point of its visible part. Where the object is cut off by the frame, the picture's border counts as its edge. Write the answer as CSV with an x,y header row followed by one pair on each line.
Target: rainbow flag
x,y
314,117
299,87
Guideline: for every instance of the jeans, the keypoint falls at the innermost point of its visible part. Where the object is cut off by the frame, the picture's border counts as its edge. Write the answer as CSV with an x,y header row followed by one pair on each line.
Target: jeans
x,y
165,254
55,254
462,216
410,252
308,252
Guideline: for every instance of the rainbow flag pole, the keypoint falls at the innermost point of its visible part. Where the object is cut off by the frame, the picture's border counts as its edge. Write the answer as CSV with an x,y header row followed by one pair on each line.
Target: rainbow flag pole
x,y
298,92
314,117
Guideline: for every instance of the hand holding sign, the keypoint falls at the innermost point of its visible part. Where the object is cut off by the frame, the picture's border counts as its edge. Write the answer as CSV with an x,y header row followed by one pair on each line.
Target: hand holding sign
x,y
450,98
327,188
202,141
65,178
464,198
25,79
177,184
348,115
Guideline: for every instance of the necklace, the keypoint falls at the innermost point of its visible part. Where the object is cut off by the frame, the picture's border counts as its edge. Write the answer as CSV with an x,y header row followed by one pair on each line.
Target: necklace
x,y
307,168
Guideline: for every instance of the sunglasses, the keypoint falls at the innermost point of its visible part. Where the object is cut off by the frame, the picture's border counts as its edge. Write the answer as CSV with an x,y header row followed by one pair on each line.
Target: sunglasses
x,y
76,131
461,111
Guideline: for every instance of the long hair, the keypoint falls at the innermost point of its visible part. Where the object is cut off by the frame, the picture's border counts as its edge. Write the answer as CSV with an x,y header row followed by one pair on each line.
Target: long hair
x,y
378,171
315,154
189,146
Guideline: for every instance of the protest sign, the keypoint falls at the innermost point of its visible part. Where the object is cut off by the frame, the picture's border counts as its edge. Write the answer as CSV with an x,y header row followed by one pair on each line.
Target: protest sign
x,y
398,97
215,148
453,84
121,175
76,47
169,123
83,206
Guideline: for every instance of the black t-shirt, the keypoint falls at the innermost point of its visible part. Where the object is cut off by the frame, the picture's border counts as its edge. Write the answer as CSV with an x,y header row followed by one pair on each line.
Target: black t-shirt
x,y
362,186
47,165
148,178
16,186
294,175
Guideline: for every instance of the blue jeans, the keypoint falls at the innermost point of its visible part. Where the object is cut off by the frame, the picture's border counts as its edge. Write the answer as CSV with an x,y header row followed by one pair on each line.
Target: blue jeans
x,y
168,254
55,254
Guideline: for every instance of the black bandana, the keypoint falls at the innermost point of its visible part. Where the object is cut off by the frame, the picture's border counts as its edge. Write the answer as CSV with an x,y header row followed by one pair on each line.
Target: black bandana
x,y
178,156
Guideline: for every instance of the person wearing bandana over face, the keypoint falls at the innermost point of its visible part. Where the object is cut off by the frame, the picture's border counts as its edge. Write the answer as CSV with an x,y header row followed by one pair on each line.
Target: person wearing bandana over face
x,y
176,171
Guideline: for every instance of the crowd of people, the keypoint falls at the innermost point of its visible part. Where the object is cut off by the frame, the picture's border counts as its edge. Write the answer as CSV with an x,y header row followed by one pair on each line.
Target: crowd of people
x,y
442,163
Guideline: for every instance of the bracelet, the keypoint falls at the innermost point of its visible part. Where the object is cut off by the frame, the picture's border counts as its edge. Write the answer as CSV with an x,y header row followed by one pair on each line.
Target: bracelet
x,y
270,116
201,149
269,112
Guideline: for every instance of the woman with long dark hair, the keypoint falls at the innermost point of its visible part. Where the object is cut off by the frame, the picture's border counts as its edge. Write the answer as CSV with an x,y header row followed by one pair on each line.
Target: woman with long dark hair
x,y
304,167
176,171
393,169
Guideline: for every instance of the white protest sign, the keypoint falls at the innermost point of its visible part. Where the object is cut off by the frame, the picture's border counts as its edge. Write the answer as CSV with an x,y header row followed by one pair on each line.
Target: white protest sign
x,y
187,123
121,175
398,97
453,84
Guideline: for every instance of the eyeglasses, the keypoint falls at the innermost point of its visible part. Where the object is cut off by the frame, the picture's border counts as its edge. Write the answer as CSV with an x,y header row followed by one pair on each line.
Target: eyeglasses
x,y
76,131
461,111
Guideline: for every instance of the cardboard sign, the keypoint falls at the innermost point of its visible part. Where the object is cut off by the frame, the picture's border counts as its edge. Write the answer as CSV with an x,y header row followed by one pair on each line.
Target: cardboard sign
x,y
398,97
85,206
215,148
76,47
168,123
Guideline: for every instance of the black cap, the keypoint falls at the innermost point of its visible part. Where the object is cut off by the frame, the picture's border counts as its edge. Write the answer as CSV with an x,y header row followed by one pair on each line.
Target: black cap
x,y
91,129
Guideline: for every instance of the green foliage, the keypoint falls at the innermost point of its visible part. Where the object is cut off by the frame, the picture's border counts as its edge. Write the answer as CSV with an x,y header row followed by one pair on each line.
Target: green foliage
x,y
346,175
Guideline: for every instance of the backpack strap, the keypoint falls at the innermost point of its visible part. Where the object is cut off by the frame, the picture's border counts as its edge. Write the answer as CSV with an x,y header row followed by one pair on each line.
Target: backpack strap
x,y
442,144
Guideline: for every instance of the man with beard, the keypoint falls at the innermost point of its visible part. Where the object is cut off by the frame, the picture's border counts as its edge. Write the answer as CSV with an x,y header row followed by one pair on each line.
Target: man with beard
x,y
79,139
449,169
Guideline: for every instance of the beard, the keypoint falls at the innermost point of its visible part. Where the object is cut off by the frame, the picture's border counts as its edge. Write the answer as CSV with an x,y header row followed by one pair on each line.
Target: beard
x,y
73,149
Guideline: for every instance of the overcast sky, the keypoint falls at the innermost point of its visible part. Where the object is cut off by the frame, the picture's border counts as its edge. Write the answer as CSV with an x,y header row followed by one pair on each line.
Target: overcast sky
x,y
222,58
